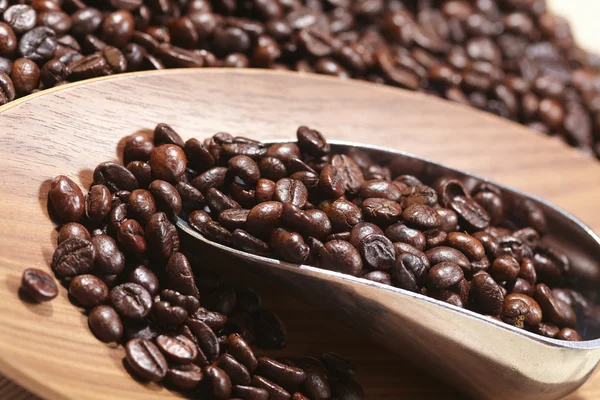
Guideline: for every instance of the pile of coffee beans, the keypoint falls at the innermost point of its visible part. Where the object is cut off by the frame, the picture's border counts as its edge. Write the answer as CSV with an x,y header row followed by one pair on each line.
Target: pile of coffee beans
x,y
509,57
121,257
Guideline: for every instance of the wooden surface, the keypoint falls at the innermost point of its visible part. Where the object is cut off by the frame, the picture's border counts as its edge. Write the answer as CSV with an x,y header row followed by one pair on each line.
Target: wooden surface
x,y
48,349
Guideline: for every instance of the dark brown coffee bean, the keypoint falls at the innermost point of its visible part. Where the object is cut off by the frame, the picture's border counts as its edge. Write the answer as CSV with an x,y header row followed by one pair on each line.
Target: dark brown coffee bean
x,y
20,18
131,300
341,256
343,215
245,168
118,27
237,372
212,178
85,21
180,275
250,392
98,203
38,44
177,348
7,88
264,217
166,196
145,278
466,244
489,242
199,158
280,373
115,177
184,377
401,233
105,324
275,391
73,257
66,198
206,338
291,191
88,290
39,285
445,274
312,142
218,202
162,236
520,310
71,230
337,365
362,230
117,216
347,388
316,384
381,211
8,40
271,332
238,348
380,189
138,147
546,329
421,216
146,360
272,168
568,334
486,294
410,272
504,268
168,162
377,252
554,310
379,277
107,259
470,214
164,134
142,172
191,198
252,149
141,206
330,182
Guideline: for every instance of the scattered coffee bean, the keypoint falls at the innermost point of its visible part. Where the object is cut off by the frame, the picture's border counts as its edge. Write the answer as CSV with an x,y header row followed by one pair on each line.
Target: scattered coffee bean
x,y
39,285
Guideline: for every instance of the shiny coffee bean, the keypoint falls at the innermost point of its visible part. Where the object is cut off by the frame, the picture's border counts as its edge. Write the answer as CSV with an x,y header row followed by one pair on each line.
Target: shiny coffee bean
x,y
131,300
162,236
67,199
146,360
486,294
88,290
73,257
98,203
145,278
341,256
177,348
39,285
105,324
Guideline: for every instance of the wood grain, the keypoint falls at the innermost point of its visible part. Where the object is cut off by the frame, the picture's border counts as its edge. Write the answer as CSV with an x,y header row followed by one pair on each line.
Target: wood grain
x,y
48,349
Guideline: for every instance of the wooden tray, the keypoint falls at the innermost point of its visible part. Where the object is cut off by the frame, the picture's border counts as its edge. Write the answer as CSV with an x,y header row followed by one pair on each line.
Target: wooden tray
x,y
48,349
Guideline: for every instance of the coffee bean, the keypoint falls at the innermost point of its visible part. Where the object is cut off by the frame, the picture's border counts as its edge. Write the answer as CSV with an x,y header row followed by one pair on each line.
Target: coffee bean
x,y
131,300
73,257
206,338
275,391
146,360
330,182
547,329
470,214
440,254
253,150
189,303
145,278
280,373
105,324
421,216
291,191
445,274
401,233
115,177
218,202
162,236
312,141
379,277
118,27
381,211
380,189
486,294
184,377
141,206
177,348
7,88
180,275
568,334
316,384
66,198
107,257
168,162
98,203
341,256
20,17
377,252
467,245
8,40
88,290
166,196
504,268
238,348
38,44
520,310
237,372
39,285
290,246
71,230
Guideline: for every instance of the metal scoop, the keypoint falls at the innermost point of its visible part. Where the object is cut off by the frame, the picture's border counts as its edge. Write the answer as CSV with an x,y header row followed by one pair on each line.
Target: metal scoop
x,y
482,357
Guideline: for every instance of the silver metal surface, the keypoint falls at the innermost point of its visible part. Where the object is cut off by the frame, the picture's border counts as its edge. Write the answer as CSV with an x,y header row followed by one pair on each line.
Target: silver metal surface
x,y
482,357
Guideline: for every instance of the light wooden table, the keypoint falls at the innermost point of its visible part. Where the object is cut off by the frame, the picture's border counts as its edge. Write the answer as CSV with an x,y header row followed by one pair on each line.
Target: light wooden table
x,y
70,130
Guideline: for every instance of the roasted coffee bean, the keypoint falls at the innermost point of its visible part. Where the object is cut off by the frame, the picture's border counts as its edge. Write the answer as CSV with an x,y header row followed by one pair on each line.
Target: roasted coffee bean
x,y
115,177
330,182
399,232
7,88
177,348
489,242
146,360
554,310
245,168
164,134
88,290
131,300
270,330
434,238
166,196
312,142
379,277
98,203
145,278
138,147
20,17
162,236
520,310
38,44
341,256
234,218
237,372
547,329
142,172
421,216
381,211
280,373
377,188
275,391
445,274
168,162
291,191
212,178
180,276
105,324
71,230
466,244
218,202
264,217
486,294
362,230
337,365
238,348
207,340
184,377
316,384
377,252
249,243
440,254
141,206
191,198
470,214
74,256
117,216
343,215
199,158
66,198
39,285
568,334
290,246
504,268
521,286
117,28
